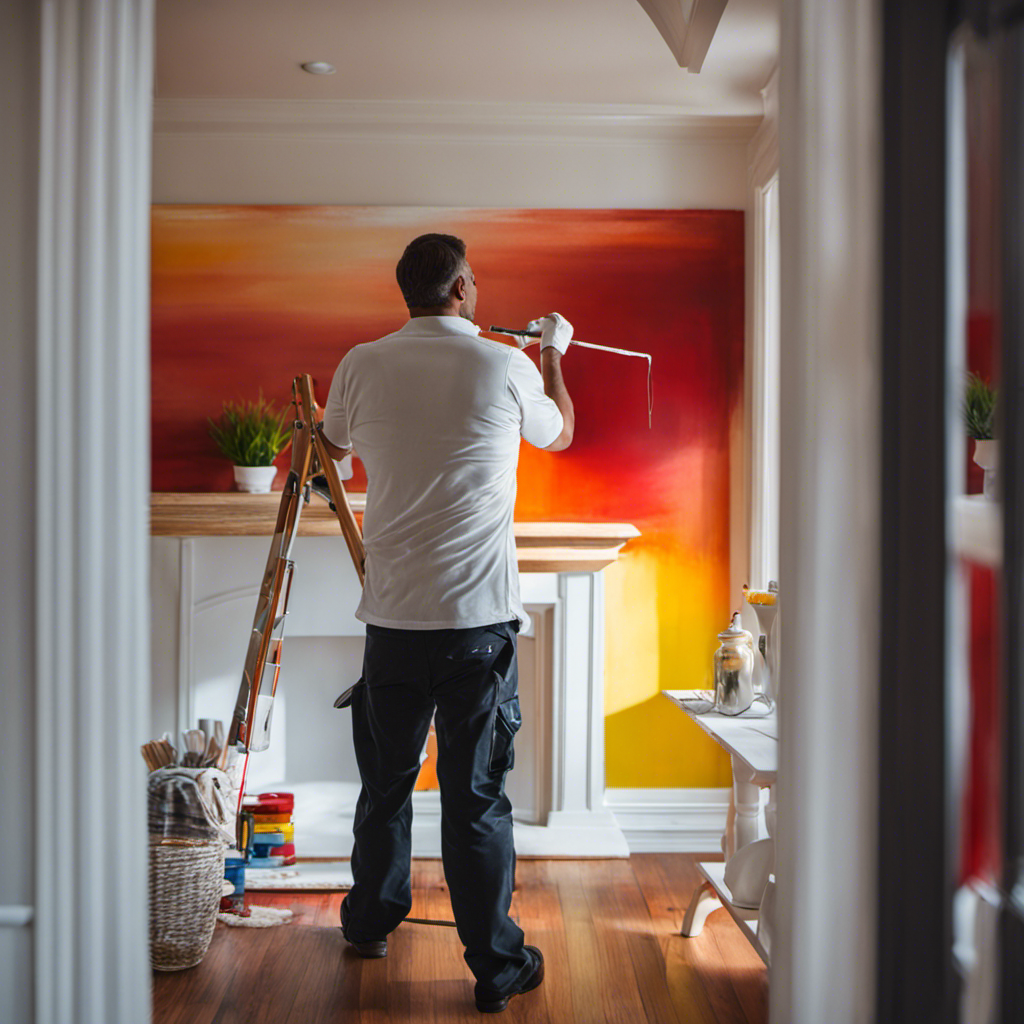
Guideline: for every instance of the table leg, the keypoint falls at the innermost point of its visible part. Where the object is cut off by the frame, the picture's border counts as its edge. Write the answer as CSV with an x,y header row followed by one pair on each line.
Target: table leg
x,y
703,901
747,797
729,835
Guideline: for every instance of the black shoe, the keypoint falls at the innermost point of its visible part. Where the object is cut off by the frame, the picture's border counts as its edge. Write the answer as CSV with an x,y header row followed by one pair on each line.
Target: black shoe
x,y
497,1005
372,950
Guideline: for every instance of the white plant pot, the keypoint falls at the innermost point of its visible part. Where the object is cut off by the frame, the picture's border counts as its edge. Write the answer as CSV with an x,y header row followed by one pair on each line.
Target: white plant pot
x,y
986,455
255,479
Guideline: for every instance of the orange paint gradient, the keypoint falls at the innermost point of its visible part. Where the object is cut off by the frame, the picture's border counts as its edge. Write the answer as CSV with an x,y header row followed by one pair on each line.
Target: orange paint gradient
x,y
244,298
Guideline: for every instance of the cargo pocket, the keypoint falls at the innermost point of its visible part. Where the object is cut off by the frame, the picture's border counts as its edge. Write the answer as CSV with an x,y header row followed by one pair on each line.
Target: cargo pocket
x,y
345,699
507,720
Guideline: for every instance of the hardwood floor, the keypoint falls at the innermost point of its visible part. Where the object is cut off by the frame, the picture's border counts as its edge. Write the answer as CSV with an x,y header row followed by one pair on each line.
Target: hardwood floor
x,y
609,930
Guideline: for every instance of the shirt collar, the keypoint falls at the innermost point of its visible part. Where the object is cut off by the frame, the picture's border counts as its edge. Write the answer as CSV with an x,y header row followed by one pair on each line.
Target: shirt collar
x,y
439,325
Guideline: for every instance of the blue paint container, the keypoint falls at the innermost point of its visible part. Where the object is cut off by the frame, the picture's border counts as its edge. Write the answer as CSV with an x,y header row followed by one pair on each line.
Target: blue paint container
x,y
234,870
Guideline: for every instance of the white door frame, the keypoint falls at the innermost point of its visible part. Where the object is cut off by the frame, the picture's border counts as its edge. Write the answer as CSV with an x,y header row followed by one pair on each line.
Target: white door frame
x,y
824,944
91,495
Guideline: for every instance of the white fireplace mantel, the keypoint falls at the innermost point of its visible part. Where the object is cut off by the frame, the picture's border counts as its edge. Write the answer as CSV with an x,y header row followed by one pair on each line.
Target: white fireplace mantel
x,y
204,590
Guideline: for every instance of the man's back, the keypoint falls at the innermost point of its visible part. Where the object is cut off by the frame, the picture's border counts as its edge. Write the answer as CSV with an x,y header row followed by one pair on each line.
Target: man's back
x,y
435,414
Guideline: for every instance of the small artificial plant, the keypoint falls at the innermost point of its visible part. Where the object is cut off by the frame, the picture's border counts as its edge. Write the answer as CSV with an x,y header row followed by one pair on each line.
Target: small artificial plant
x,y
250,433
979,408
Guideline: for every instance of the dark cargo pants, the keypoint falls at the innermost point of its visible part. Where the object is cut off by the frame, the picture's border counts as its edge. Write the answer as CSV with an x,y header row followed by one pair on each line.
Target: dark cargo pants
x,y
470,676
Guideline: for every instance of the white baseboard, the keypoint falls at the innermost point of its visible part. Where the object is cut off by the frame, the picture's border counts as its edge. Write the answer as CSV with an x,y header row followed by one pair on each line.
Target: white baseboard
x,y
323,832
670,820
652,820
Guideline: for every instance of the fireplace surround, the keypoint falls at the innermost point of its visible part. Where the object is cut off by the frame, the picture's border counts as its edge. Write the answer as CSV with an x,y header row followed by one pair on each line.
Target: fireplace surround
x,y
204,583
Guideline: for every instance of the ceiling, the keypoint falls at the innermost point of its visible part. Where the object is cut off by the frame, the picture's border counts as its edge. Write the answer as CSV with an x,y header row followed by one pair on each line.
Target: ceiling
x,y
496,51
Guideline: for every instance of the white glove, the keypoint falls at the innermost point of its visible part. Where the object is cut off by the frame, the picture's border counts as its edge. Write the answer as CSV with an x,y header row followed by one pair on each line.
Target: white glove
x,y
557,331
344,467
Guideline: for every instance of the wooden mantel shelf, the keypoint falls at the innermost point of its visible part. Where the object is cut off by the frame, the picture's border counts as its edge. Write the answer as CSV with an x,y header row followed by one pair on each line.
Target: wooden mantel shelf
x,y
541,547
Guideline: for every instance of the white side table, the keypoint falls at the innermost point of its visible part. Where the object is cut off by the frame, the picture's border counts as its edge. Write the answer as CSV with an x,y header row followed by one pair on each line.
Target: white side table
x,y
753,746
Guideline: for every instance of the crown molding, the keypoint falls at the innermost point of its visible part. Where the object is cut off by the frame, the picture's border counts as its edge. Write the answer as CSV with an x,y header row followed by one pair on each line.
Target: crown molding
x,y
409,120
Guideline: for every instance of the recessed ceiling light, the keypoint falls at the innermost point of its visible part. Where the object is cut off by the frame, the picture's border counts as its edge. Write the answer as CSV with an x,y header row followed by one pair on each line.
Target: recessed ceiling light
x,y
319,67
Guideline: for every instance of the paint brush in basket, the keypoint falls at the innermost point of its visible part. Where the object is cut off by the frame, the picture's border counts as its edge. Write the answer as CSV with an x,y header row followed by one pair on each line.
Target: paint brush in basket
x,y
157,754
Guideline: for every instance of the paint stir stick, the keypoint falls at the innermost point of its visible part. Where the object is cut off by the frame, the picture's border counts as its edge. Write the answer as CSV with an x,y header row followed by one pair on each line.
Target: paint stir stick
x,y
536,335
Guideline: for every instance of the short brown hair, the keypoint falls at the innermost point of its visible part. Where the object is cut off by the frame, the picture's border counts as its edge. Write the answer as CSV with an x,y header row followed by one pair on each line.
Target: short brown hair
x,y
428,269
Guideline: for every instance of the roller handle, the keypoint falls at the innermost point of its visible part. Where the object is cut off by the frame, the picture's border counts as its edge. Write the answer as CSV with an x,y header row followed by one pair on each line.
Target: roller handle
x,y
515,333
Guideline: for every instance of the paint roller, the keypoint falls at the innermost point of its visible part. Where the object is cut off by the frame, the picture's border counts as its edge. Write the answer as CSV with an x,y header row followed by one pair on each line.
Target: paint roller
x,y
535,337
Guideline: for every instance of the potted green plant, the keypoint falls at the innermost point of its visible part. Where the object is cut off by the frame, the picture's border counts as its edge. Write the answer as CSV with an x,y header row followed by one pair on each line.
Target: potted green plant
x,y
251,435
979,411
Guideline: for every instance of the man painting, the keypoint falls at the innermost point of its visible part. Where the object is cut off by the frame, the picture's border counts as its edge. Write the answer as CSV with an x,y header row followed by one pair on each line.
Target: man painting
x,y
436,413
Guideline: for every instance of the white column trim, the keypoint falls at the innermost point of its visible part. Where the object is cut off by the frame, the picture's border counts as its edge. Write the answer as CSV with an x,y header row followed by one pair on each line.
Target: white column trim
x,y
578,719
747,519
762,165
761,412
539,722
91,493
595,725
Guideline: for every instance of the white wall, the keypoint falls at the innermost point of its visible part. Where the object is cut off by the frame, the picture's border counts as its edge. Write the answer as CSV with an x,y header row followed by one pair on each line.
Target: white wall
x,y
490,155
18,166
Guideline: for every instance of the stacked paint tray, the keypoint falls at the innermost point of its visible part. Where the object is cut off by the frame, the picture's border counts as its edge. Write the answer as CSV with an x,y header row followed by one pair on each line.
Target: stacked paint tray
x,y
273,841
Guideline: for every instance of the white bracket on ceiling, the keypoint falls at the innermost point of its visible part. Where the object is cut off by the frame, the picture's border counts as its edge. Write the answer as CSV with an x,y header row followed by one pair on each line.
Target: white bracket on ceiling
x,y
688,26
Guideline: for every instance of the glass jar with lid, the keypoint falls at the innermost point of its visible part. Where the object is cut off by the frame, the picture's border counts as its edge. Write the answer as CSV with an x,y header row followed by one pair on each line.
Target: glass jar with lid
x,y
734,669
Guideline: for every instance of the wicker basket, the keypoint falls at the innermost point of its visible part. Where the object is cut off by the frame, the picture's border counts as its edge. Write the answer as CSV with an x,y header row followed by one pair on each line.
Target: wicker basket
x,y
185,879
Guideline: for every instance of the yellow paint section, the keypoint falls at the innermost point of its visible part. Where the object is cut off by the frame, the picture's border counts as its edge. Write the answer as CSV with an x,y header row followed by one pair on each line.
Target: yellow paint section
x,y
655,745
632,641
663,608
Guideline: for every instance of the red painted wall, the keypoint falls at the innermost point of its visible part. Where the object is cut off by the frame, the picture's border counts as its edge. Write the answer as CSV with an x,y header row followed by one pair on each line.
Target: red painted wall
x,y
244,298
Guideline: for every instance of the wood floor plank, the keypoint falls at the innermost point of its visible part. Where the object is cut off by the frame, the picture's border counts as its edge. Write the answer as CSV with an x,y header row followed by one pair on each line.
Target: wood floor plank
x,y
669,883
582,946
713,973
747,973
545,928
401,950
608,931
193,996
248,949
453,993
373,990
689,996
667,886
287,963
537,911
627,908
633,972
325,986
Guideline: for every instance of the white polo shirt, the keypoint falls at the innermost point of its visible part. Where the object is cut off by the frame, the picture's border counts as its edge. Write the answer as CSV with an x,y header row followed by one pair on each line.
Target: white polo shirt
x,y
435,413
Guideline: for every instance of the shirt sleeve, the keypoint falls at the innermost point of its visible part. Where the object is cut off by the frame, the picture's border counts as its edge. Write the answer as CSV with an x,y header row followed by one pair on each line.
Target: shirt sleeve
x,y
335,415
541,420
